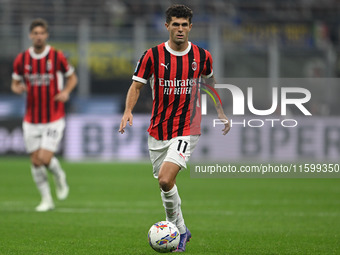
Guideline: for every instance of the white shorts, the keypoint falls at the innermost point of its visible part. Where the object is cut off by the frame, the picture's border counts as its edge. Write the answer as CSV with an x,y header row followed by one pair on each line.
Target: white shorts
x,y
177,150
43,136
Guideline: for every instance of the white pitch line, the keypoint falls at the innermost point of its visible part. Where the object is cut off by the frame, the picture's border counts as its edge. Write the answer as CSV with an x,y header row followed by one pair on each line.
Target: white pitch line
x,y
144,207
187,212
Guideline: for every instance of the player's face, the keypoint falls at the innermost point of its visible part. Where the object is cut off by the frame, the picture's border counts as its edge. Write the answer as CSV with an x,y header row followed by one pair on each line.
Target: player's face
x,y
39,36
179,29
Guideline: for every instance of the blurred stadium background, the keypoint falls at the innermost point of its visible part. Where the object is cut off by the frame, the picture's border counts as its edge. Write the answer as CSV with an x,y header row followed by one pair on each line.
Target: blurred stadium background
x,y
103,39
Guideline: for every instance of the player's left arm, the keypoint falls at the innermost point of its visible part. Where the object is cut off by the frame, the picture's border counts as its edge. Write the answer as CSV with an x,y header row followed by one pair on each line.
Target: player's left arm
x,y
219,109
71,78
71,83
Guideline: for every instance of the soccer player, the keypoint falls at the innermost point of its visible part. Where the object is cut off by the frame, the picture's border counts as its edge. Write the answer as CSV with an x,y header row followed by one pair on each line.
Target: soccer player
x,y
173,67
39,72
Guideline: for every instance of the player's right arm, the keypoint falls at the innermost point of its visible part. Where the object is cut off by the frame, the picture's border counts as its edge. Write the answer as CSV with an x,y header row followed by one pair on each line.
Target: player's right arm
x,y
17,86
131,100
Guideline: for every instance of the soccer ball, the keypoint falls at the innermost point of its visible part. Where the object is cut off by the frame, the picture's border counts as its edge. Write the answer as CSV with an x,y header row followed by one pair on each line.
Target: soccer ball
x,y
163,236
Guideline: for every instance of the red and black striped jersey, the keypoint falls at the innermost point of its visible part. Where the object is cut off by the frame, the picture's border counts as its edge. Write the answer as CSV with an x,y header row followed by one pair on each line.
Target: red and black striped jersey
x,y
174,80
43,76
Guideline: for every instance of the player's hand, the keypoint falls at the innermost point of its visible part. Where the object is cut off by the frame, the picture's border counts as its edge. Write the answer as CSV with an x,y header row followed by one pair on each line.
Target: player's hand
x,y
226,122
19,89
127,117
62,96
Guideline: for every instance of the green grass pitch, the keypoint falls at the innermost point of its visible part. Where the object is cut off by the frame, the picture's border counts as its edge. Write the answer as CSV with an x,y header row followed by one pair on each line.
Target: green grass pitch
x,y
111,207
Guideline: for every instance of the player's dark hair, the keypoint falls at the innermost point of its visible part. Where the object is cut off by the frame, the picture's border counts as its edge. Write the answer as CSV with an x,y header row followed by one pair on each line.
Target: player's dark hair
x,y
178,11
39,23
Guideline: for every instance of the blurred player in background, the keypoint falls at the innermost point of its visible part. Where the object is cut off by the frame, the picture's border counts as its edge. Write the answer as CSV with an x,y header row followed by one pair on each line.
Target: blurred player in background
x,y
173,68
39,71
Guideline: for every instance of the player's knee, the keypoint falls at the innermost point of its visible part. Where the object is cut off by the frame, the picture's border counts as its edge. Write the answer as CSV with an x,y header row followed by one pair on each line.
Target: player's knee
x,y
164,183
44,161
35,162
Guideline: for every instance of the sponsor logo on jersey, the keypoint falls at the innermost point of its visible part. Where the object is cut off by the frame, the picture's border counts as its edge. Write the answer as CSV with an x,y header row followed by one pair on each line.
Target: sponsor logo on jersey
x,y
165,65
177,83
177,87
39,79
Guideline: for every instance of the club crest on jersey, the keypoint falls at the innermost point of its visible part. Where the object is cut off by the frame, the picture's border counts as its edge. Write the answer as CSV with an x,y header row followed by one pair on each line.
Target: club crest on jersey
x,y
194,65
49,65
28,67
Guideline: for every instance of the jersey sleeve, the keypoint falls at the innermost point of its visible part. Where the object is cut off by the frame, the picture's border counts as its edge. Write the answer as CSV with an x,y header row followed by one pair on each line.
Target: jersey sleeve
x,y
64,66
18,70
144,68
208,67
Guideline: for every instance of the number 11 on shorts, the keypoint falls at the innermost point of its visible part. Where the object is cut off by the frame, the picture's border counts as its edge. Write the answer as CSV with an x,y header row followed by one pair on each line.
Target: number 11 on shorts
x,y
185,145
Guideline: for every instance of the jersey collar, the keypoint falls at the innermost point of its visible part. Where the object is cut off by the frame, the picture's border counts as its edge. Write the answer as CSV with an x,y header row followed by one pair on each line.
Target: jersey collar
x,y
40,55
178,53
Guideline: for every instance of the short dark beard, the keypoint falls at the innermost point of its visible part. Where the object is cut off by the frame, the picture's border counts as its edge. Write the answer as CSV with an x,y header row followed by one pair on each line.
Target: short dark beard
x,y
38,48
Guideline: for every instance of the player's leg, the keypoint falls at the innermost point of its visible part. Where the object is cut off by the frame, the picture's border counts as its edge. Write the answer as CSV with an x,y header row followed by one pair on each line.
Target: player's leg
x,y
169,193
167,158
51,138
166,173
40,178
178,154
52,163
172,201
170,196
32,137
